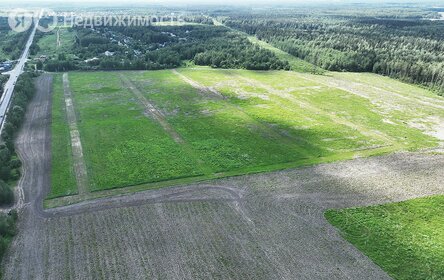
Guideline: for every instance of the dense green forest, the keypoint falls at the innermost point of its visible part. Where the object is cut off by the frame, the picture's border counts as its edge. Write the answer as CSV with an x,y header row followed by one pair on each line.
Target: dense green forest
x,y
161,47
11,43
407,48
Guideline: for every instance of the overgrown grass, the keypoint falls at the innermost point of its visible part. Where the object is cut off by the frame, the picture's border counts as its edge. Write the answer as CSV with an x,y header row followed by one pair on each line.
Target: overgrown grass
x,y
48,43
121,145
256,121
406,239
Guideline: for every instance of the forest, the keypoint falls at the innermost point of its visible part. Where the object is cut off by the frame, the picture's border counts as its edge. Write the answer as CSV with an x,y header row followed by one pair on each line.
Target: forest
x,y
11,43
404,46
163,47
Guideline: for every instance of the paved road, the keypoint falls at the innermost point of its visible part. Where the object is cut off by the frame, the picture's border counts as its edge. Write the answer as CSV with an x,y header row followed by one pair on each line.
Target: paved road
x,y
14,74
263,226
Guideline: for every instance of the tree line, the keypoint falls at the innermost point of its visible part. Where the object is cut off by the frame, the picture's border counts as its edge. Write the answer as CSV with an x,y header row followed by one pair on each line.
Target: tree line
x,y
9,162
404,48
3,80
163,47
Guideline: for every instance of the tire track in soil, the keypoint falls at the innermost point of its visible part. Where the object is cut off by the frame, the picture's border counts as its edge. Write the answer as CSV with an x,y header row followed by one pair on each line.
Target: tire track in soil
x,y
76,144
203,90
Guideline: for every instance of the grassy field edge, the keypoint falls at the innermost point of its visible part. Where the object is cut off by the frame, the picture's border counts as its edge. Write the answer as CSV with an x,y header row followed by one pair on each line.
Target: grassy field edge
x,y
404,238
69,200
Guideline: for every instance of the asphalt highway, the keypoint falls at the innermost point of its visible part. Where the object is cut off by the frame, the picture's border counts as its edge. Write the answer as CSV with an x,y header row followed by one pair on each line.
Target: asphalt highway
x,y
14,74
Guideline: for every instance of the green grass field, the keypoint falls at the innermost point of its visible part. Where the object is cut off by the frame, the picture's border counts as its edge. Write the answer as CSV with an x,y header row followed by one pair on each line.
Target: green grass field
x,y
406,239
49,46
223,123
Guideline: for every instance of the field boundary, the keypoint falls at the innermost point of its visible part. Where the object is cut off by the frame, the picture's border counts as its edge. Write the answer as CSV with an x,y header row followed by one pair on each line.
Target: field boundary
x,y
76,143
305,163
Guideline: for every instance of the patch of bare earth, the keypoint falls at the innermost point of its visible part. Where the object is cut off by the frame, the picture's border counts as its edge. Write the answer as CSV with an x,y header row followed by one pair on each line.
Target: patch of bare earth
x,y
433,126
387,100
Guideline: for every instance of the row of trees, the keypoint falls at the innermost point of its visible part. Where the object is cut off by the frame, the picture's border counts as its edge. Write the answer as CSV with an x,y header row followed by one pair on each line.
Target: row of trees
x,y
3,80
7,230
408,49
163,47
9,162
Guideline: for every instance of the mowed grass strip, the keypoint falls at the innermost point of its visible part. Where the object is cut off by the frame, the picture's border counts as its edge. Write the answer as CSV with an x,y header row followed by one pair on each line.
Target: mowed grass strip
x,y
405,239
63,181
48,44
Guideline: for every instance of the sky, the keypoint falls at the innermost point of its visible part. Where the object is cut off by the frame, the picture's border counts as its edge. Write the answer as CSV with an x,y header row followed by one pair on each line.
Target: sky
x,y
210,1
57,3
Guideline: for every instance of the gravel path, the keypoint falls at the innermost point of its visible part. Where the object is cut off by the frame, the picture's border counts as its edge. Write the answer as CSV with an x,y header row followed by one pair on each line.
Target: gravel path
x,y
76,143
264,226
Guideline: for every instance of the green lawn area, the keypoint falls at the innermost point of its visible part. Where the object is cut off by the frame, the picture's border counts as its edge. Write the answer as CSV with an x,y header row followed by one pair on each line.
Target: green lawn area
x,y
252,121
405,239
48,43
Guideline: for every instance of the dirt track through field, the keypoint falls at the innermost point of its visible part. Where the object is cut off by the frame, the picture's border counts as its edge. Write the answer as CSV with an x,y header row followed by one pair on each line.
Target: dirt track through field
x,y
307,106
157,115
202,89
59,42
151,110
264,226
265,127
360,89
76,144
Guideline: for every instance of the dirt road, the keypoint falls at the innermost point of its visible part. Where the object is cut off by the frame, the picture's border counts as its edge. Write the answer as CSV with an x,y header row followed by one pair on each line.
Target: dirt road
x,y
265,226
